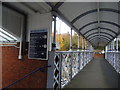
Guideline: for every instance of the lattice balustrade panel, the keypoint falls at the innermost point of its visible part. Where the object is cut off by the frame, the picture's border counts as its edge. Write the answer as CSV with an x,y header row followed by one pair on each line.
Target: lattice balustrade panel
x,y
66,68
56,72
75,63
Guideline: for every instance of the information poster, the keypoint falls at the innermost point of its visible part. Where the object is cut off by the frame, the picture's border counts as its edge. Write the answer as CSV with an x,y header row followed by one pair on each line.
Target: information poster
x,y
38,48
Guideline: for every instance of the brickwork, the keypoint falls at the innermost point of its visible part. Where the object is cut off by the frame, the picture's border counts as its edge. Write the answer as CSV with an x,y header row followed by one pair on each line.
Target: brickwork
x,y
14,69
98,55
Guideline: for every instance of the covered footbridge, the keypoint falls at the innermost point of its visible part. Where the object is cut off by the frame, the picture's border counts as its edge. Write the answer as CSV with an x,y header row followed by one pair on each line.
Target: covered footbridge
x,y
29,58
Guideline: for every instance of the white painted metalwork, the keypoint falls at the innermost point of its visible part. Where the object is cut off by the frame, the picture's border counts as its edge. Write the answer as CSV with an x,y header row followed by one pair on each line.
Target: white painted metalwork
x,y
78,42
113,57
68,65
117,44
71,40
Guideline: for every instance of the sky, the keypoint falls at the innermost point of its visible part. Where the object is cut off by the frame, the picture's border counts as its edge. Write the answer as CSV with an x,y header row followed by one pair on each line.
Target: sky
x,y
61,27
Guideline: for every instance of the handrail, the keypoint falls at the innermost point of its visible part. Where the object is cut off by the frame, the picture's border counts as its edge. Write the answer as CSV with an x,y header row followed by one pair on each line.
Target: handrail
x,y
72,51
38,69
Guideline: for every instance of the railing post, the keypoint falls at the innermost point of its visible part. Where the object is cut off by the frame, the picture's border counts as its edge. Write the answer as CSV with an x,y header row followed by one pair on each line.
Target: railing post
x,y
78,53
71,66
60,70
83,50
79,63
50,74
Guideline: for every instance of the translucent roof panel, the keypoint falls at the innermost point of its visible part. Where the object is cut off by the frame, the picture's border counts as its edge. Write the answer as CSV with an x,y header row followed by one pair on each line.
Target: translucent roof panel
x,y
6,37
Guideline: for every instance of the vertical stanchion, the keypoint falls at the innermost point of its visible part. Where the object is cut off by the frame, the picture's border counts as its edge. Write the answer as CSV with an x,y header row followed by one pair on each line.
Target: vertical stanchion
x,y
60,70
83,50
78,42
71,40
71,55
71,65
117,44
78,53
54,38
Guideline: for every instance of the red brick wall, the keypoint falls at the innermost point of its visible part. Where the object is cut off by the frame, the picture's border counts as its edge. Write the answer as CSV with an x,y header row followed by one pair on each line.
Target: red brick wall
x,y
98,55
13,69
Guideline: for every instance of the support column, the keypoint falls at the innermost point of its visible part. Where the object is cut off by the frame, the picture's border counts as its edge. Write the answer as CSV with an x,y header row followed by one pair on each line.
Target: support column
x,y
117,44
109,47
54,37
78,42
113,45
53,62
106,48
83,44
71,40
90,47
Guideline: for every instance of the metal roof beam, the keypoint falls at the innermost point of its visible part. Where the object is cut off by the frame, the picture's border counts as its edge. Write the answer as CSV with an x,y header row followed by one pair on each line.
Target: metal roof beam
x,y
95,10
100,33
58,5
56,12
100,36
100,28
94,22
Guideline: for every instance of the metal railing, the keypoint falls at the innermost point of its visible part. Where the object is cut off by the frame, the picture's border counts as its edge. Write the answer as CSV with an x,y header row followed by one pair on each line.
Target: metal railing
x,y
68,64
34,71
113,57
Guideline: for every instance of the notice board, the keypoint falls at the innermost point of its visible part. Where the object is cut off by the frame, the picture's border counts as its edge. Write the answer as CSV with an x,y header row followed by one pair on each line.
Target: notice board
x,y
38,46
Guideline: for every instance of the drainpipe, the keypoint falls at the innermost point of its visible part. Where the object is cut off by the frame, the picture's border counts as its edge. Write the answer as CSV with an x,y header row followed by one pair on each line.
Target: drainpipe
x,y
22,49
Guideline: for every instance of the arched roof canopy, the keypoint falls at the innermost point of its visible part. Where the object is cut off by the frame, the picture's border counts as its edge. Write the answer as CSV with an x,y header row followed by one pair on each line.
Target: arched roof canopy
x,y
93,11
100,28
100,33
94,22
100,36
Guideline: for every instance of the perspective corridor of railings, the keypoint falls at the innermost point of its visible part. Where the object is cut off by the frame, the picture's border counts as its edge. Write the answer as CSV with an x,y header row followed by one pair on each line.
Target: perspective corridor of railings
x,y
113,57
68,64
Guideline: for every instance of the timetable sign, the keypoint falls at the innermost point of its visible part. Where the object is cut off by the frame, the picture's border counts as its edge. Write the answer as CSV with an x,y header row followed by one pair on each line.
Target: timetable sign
x,y
38,48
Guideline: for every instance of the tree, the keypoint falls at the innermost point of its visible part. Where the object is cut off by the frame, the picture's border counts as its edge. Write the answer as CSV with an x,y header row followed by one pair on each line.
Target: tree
x,y
75,42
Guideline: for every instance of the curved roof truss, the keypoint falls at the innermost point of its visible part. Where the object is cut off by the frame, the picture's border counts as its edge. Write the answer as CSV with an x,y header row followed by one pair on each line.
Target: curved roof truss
x,y
100,28
94,22
100,33
100,36
95,10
